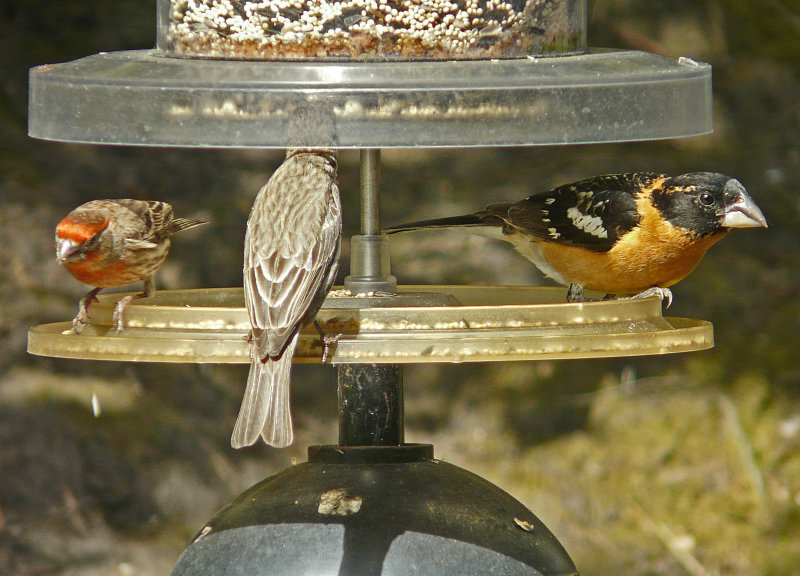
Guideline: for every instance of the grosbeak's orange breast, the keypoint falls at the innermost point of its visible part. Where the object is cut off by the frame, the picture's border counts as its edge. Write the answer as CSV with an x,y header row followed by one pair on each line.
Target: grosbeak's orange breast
x,y
655,253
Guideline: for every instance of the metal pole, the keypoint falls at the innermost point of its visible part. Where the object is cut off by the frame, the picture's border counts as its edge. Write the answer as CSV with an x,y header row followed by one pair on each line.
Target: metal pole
x,y
370,405
370,395
370,182
369,251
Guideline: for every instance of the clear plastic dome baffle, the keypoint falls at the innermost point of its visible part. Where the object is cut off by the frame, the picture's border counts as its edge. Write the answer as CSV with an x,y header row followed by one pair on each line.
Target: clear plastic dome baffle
x,y
146,98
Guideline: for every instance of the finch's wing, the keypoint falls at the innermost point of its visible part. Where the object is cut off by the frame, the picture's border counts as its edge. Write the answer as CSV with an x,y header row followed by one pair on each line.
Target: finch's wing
x,y
139,244
146,221
288,258
592,213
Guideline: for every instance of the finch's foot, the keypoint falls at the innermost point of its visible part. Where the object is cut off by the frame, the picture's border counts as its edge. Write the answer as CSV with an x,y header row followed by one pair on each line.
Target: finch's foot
x,y
76,328
79,322
327,341
665,294
118,318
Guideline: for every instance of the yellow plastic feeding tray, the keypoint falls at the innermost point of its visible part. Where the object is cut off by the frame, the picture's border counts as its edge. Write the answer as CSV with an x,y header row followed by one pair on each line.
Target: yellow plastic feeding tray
x,y
476,324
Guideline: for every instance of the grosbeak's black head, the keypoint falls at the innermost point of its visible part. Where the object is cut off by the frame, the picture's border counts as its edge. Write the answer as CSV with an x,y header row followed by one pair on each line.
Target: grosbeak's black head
x,y
706,203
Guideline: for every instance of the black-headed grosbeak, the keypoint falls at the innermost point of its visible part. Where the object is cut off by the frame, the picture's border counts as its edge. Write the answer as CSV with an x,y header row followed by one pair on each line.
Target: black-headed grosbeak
x,y
620,234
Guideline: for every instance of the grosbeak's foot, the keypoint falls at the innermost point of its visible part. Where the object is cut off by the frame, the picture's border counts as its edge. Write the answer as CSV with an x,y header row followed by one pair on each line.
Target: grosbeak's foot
x,y
575,293
665,294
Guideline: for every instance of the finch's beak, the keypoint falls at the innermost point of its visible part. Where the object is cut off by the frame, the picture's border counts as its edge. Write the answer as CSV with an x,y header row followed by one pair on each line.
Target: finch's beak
x,y
742,212
65,249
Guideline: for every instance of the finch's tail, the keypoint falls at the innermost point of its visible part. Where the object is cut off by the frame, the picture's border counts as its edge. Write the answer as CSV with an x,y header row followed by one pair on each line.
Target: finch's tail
x,y
477,220
265,408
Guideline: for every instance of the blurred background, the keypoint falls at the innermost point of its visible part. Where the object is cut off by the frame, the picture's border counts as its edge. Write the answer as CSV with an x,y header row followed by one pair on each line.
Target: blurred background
x,y
686,464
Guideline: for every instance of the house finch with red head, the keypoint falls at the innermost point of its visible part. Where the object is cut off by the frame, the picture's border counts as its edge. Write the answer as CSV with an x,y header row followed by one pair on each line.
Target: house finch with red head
x,y
106,243
291,256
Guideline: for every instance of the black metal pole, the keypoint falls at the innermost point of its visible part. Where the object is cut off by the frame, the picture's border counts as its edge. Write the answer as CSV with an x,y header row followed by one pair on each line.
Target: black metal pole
x,y
370,395
370,405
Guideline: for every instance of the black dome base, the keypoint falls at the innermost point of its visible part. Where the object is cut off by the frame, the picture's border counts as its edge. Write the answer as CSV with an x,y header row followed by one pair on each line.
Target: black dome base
x,y
370,511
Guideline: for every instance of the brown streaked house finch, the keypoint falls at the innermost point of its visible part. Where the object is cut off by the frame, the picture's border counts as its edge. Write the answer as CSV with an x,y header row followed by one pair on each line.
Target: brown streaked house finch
x,y
291,256
106,243
635,233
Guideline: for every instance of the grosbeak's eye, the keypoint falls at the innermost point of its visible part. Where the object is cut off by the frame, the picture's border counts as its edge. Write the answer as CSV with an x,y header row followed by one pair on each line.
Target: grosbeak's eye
x,y
706,199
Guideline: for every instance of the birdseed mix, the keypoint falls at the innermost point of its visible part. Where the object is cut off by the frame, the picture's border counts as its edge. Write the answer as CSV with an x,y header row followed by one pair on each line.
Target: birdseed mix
x,y
371,29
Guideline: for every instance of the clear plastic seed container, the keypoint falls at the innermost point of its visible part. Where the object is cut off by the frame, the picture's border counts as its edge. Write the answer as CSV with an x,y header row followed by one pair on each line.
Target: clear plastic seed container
x,y
370,29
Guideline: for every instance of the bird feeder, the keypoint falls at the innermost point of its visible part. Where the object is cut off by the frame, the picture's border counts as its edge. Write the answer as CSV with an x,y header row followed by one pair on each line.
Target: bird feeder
x,y
367,75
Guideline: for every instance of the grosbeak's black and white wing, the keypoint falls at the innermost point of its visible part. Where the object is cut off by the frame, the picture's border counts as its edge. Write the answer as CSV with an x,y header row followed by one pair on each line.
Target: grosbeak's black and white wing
x,y
593,213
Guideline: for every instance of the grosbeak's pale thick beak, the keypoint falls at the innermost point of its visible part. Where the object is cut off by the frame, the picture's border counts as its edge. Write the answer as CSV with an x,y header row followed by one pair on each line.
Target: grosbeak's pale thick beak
x,y
743,212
